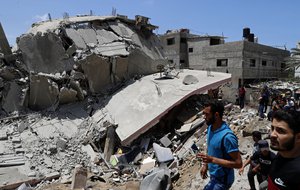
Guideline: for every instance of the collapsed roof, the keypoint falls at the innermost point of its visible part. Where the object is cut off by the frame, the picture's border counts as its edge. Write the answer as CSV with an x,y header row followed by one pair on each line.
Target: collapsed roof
x,y
71,58
146,101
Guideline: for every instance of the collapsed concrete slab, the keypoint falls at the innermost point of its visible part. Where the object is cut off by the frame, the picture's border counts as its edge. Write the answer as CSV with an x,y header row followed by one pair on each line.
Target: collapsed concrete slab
x,y
96,52
44,53
147,100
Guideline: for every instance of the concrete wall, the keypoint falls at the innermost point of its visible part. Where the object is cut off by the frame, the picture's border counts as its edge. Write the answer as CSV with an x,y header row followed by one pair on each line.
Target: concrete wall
x,y
239,55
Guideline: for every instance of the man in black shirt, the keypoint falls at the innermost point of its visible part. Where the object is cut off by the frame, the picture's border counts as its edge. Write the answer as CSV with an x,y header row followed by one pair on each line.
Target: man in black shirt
x,y
264,158
285,138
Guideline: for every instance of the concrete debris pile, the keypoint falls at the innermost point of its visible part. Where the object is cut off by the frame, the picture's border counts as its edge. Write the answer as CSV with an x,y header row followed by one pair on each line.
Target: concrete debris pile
x,y
91,133
159,157
65,60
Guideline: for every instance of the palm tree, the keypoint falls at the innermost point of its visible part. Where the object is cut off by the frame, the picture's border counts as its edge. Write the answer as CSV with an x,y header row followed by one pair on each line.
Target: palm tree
x,y
293,62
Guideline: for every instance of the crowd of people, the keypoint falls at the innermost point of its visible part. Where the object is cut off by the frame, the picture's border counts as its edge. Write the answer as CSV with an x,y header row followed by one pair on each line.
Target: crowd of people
x,y
273,171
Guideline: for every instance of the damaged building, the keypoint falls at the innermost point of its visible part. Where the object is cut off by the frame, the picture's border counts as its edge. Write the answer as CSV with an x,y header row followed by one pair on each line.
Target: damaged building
x,y
247,60
65,60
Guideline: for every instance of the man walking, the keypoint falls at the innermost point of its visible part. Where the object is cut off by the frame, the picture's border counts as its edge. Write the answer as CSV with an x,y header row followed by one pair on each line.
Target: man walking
x,y
285,138
256,136
222,149
265,158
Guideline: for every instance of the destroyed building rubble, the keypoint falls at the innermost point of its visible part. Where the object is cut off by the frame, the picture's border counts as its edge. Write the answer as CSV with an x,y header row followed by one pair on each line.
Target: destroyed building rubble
x,y
104,105
68,59
55,142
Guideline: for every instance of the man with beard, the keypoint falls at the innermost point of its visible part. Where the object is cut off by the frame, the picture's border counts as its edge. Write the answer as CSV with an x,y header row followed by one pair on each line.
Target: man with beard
x,y
285,138
222,149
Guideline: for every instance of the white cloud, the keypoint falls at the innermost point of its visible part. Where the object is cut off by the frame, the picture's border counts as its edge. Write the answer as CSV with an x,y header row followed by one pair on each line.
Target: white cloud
x,y
42,18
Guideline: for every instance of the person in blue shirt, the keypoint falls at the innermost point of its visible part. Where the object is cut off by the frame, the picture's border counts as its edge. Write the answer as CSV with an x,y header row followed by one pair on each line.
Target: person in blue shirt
x,y
222,149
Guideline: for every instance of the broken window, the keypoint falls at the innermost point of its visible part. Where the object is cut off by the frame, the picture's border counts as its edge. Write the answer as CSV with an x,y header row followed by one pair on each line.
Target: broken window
x,y
191,50
282,65
252,62
170,41
170,61
264,63
182,61
222,62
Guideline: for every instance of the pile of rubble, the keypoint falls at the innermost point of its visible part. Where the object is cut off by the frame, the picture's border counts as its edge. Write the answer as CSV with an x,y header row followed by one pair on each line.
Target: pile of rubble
x,y
86,74
66,60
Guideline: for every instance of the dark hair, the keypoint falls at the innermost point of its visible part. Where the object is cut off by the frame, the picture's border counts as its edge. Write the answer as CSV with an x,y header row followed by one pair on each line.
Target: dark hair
x,y
291,117
215,106
256,134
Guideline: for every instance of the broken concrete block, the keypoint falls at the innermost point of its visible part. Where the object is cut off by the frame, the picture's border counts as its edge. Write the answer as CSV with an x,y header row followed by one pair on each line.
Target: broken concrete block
x,y
44,53
121,29
105,36
12,98
157,180
3,135
88,35
42,85
75,36
9,73
112,49
79,177
61,144
190,79
97,71
162,154
147,165
90,151
120,69
109,142
22,127
76,86
165,141
67,95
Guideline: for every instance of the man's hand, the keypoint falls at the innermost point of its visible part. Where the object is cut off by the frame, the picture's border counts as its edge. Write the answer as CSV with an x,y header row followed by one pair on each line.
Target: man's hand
x,y
205,158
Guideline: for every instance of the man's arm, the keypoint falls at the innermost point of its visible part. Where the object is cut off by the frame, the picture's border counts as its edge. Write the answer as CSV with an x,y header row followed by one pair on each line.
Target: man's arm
x,y
241,170
236,161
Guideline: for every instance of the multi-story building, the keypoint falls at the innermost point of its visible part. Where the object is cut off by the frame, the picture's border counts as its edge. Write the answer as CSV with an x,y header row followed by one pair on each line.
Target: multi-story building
x,y
246,60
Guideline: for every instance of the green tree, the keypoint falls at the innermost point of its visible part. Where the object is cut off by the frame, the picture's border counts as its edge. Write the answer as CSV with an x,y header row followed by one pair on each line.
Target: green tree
x,y
293,62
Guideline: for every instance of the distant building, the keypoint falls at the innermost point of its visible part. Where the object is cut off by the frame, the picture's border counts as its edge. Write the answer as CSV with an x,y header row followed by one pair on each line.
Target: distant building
x,y
247,60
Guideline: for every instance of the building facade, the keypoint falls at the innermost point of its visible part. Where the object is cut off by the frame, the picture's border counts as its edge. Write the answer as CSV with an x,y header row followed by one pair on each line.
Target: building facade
x,y
246,60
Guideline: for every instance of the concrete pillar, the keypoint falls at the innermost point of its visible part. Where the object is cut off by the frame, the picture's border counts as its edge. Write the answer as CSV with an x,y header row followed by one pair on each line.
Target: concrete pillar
x,y
4,45
109,143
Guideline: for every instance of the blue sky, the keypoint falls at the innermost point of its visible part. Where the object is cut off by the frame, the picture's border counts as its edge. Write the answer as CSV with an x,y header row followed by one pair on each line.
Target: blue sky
x,y
274,22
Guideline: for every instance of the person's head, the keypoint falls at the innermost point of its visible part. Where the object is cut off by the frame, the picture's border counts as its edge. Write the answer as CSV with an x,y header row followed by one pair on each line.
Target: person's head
x,y
256,136
285,131
213,111
263,147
